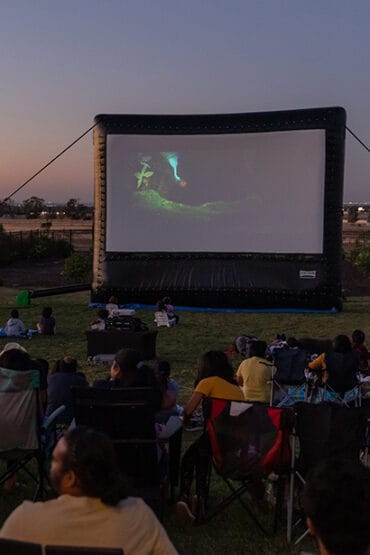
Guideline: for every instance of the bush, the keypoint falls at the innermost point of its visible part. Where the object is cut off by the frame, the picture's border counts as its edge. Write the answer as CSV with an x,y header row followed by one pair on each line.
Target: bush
x,y
14,248
361,258
77,268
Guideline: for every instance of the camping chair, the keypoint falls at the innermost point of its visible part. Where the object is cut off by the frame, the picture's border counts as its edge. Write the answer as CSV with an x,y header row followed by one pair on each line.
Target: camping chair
x,y
22,439
351,397
14,547
289,382
127,416
325,430
71,550
161,319
248,442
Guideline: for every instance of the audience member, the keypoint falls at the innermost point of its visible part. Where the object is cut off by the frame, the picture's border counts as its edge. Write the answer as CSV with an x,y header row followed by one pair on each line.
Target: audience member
x,y
100,322
216,380
170,393
59,388
336,501
129,370
170,309
14,326
337,368
255,374
92,508
46,324
112,306
359,347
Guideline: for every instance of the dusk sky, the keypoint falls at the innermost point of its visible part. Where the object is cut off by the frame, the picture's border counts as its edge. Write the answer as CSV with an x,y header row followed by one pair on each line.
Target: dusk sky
x,y
62,63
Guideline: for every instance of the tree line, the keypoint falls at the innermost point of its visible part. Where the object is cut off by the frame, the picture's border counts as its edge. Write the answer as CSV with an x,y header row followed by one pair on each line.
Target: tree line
x,y
34,207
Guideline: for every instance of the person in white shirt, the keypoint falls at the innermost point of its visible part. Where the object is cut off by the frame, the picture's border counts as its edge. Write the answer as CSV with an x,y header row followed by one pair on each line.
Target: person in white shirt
x,y
14,326
92,509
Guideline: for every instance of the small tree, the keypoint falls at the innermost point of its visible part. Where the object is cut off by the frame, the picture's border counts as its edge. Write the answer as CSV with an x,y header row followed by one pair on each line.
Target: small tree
x,y
352,214
75,209
33,207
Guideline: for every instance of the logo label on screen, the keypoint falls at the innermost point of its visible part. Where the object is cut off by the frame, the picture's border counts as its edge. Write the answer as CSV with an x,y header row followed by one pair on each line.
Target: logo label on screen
x,y
307,274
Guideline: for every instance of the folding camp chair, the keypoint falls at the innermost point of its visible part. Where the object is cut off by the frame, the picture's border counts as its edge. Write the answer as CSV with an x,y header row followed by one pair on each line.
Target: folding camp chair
x,y
127,416
289,383
351,397
161,319
23,439
13,547
325,430
68,550
248,441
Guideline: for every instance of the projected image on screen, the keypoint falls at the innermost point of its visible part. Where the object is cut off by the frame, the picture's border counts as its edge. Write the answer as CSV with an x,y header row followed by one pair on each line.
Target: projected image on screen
x,y
261,192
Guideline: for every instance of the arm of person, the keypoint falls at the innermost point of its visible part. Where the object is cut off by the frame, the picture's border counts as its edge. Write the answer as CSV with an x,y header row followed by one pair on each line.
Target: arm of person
x,y
193,403
239,377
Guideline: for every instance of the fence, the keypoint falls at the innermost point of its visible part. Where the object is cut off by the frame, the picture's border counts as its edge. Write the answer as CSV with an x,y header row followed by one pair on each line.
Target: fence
x,y
80,239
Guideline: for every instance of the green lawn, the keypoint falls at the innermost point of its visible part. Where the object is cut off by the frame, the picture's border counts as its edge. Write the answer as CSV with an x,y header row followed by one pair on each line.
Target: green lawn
x,y
182,346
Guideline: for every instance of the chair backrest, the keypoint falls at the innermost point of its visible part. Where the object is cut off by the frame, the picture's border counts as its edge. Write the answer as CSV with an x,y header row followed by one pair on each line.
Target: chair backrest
x,y
69,550
248,439
14,547
18,408
290,366
127,416
329,430
342,370
161,319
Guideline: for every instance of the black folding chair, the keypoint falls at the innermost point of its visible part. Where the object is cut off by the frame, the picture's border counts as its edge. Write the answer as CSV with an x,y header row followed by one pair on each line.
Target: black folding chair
x,y
289,383
323,431
127,416
13,547
68,550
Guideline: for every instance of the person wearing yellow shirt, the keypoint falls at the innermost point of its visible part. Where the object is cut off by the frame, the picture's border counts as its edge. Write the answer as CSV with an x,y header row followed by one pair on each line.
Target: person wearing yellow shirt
x,y
254,374
216,379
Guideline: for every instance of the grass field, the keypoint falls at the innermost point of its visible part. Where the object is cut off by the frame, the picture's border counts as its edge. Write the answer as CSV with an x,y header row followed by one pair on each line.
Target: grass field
x,y
182,346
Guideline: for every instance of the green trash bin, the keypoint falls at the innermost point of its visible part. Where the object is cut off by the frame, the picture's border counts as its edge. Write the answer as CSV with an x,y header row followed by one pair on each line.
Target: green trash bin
x,y
23,298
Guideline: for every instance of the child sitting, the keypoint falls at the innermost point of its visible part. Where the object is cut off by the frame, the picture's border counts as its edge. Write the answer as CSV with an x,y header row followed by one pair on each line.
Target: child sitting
x,y
14,326
170,393
46,324
99,323
170,309
358,345
112,306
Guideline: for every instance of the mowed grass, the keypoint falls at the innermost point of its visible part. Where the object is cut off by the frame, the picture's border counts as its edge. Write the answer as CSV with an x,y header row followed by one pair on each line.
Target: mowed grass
x,y
182,345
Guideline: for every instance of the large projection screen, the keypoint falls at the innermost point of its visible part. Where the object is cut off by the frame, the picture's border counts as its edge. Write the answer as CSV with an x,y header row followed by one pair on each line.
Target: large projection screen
x,y
220,210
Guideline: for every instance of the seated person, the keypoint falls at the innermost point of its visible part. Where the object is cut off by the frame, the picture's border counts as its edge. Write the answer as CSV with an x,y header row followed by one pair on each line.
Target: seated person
x,y
255,374
336,501
59,388
160,307
129,370
100,322
14,326
337,368
359,347
170,309
216,379
93,508
170,393
15,357
112,306
46,324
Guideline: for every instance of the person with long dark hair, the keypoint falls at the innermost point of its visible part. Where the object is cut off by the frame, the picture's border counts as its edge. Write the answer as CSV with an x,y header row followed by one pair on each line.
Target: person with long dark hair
x,y
215,379
129,370
337,368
